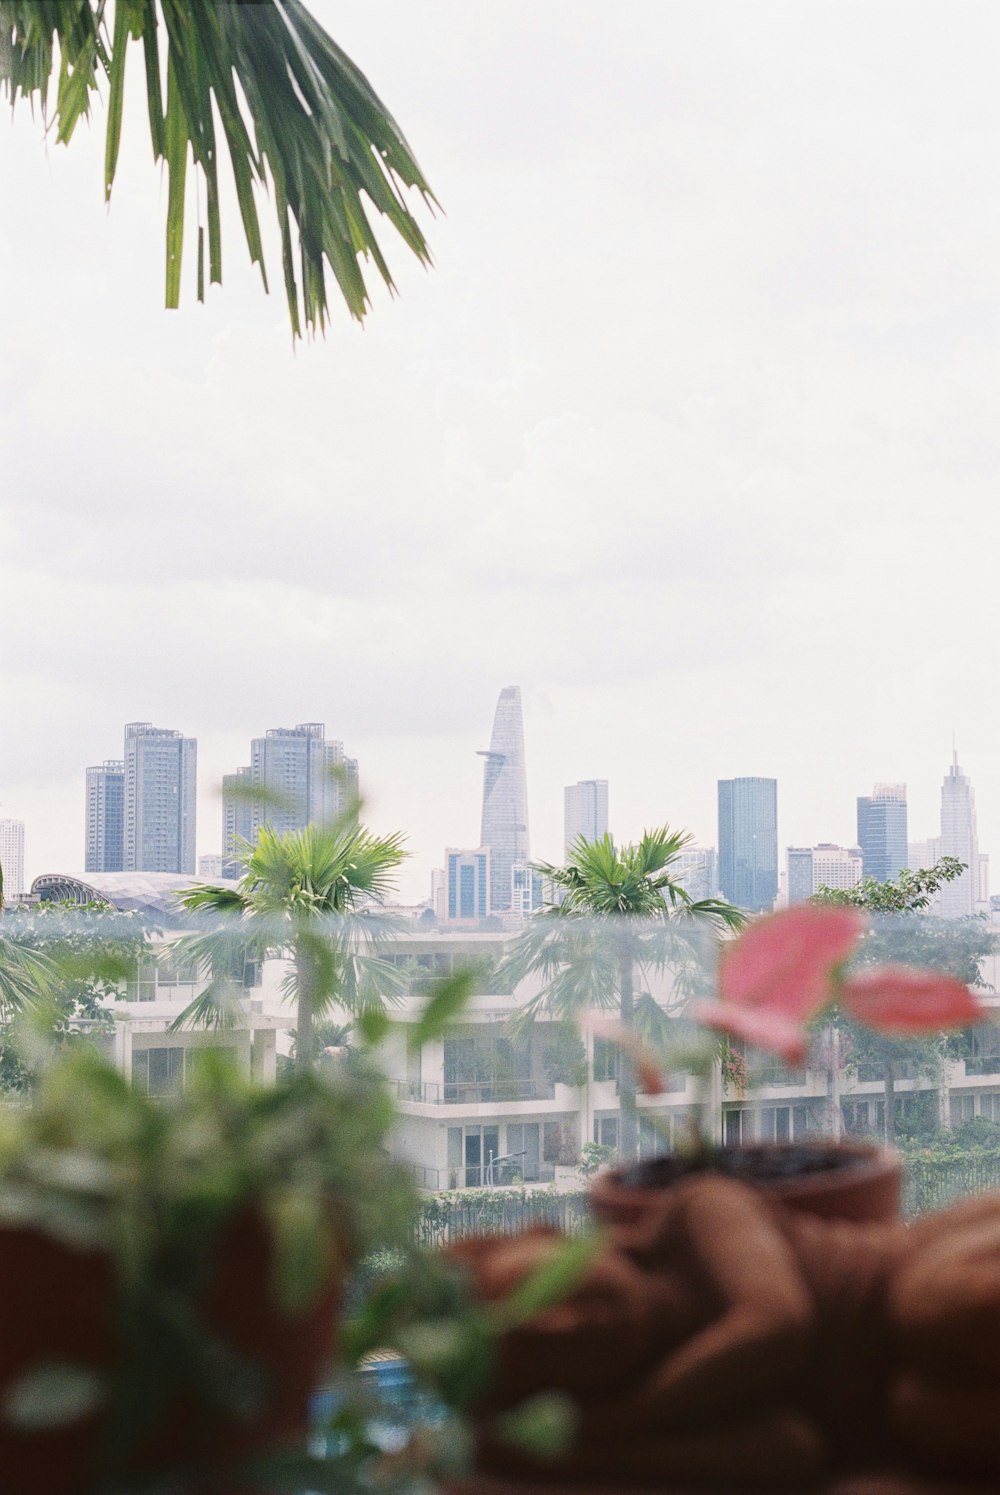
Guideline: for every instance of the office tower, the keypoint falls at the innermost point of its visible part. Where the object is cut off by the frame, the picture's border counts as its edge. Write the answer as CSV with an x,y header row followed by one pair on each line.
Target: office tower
x,y
799,879
12,859
467,880
585,811
696,868
748,842
105,848
882,832
959,839
920,855
505,798
438,893
160,789
824,866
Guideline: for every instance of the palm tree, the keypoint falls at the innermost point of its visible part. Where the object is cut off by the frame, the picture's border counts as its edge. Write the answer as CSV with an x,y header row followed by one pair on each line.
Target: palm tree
x,y
315,897
296,116
623,912
26,976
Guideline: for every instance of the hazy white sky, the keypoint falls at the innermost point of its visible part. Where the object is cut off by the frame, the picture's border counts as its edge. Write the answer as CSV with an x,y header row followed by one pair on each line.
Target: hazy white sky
x,y
692,432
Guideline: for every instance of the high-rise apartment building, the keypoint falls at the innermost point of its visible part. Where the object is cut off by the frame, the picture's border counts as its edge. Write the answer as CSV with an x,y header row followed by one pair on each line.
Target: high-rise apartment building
x,y
958,899
882,831
585,812
696,868
306,781
505,797
105,844
748,842
237,819
467,885
12,858
824,866
160,799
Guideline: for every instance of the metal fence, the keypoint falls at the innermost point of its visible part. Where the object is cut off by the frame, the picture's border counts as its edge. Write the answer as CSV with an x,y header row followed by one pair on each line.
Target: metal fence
x,y
449,1217
932,1181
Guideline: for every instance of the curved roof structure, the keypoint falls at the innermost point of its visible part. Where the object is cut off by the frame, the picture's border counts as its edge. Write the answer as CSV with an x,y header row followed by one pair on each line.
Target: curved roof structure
x,y
153,894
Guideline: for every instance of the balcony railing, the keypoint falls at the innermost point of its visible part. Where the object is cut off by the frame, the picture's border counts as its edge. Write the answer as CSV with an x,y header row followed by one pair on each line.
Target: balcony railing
x,y
982,1064
473,1092
502,1175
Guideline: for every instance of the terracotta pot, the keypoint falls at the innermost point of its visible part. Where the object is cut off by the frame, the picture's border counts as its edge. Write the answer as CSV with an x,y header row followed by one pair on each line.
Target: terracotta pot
x,y
292,1350
867,1188
57,1304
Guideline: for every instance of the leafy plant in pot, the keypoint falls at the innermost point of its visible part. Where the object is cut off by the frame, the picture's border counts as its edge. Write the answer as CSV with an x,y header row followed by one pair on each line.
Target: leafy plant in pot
x,y
775,982
173,1271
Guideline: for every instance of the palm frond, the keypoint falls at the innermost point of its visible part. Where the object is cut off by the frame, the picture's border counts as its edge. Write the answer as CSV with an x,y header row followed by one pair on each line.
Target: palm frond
x,y
27,979
218,1008
296,115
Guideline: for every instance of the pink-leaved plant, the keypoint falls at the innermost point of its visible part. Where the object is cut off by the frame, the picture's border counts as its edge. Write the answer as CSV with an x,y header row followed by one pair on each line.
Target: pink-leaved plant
x,y
783,970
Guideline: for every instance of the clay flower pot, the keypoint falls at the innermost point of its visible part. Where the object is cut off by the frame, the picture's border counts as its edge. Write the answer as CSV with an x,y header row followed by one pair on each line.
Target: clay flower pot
x,y
58,1307
850,1180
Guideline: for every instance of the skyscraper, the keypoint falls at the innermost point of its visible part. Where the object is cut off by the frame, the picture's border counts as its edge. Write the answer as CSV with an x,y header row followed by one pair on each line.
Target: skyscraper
x,y
505,797
696,868
585,811
882,832
748,842
160,806
467,885
237,819
12,858
824,866
105,846
307,780
959,839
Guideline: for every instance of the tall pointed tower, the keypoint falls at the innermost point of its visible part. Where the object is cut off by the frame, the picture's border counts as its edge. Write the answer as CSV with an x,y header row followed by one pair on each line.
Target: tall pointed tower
x,y
505,797
959,839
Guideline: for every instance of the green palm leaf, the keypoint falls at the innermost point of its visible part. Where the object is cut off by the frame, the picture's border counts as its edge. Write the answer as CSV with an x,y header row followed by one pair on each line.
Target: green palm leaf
x,y
297,117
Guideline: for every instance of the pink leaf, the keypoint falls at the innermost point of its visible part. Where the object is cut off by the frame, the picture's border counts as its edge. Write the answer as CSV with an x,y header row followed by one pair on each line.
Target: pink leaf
x,y
907,999
761,1027
783,963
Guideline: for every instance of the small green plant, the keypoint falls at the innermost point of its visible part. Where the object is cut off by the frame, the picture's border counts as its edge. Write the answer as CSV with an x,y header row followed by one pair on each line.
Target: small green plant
x,y
593,1157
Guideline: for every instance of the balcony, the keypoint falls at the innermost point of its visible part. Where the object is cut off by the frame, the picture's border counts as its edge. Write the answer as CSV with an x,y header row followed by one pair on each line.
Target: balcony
x,y
977,1065
491,1176
473,1092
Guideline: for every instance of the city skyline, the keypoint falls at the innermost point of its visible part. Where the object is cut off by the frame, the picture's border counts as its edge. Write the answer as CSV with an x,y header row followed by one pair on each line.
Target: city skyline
x,y
414,881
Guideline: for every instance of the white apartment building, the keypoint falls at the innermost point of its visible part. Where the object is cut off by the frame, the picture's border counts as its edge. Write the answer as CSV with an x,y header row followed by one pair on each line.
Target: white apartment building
x,y
12,858
477,1109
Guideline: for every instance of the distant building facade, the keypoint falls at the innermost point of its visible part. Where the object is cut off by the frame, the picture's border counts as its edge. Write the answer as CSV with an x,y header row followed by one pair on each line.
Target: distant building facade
x,y
527,889
505,798
160,799
882,831
105,840
305,779
696,868
585,812
467,885
210,867
748,842
12,858
959,838
824,866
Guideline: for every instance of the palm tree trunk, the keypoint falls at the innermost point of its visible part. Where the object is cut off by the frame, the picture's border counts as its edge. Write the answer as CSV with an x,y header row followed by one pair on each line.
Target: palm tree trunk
x,y
305,1038
628,1141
